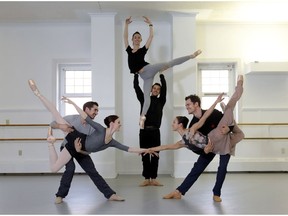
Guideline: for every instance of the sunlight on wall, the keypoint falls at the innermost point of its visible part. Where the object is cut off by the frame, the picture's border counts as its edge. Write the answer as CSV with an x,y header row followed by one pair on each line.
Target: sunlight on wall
x,y
262,11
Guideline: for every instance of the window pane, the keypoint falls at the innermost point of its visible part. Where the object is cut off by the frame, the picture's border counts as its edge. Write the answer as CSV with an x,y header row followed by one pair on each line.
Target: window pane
x,y
216,78
208,101
70,110
215,81
77,82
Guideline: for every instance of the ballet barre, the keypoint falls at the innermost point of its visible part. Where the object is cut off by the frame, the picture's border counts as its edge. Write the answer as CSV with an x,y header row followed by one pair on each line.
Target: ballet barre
x,y
46,125
24,125
26,139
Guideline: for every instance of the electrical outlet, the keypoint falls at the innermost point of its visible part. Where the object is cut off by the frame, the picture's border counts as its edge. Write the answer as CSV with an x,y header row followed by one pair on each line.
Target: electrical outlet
x,y
7,121
20,152
283,150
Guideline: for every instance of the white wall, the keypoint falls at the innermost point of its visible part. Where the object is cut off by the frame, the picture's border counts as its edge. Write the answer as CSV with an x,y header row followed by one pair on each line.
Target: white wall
x,y
31,50
265,95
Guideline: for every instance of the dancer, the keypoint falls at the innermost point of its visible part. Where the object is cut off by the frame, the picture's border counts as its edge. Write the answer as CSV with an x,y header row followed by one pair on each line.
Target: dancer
x,y
76,122
217,136
150,136
80,145
137,63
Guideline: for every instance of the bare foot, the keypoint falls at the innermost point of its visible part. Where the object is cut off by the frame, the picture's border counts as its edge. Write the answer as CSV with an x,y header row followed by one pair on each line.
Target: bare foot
x,y
154,182
115,197
173,195
145,183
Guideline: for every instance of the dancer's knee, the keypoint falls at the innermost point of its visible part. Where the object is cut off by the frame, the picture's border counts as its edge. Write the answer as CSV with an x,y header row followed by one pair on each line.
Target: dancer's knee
x,y
54,169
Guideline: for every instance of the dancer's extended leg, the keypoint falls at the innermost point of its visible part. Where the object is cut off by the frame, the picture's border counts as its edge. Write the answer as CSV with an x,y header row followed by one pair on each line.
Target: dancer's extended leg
x,y
148,73
228,118
49,105
56,163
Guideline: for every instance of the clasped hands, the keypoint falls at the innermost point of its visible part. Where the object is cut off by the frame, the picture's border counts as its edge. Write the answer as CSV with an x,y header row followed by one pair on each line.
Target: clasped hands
x,y
151,152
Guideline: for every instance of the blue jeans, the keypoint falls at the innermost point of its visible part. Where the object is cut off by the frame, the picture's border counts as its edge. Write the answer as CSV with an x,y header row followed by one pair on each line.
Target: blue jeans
x,y
199,167
88,166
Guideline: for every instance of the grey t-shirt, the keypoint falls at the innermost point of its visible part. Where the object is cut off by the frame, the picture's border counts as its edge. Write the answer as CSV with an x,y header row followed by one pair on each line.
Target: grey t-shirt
x,y
96,141
75,121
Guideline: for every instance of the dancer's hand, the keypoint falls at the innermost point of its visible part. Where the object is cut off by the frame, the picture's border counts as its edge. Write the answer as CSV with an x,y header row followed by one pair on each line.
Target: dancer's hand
x,y
220,98
128,20
151,152
78,144
147,20
224,129
209,147
66,100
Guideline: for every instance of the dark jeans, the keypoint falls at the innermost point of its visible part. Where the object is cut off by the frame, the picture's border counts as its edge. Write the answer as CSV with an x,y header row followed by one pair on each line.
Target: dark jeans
x,y
66,178
88,166
198,168
149,138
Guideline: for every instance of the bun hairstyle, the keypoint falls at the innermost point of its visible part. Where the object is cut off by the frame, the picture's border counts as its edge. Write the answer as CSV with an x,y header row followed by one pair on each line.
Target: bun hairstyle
x,y
109,119
182,120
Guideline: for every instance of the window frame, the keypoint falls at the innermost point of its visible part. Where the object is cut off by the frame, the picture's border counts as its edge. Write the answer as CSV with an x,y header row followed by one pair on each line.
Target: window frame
x,y
61,68
231,67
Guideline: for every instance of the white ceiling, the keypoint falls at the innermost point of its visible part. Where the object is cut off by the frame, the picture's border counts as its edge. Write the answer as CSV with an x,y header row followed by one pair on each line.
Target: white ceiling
x,y
207,11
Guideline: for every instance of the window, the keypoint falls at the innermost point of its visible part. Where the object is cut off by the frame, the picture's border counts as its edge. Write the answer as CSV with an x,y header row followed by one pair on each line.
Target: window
x,y
215,79
75,82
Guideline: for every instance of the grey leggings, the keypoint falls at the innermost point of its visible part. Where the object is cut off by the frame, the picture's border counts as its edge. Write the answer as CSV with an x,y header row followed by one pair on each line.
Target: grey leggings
x,y
149,71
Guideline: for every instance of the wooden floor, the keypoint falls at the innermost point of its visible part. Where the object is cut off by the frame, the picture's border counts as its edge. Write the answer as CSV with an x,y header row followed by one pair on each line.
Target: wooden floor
x,y
243,193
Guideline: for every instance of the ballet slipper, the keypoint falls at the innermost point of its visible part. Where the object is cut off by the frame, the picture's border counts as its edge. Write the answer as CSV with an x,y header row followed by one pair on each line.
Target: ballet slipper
x,y
195,54
223,106
173,195
240,80
34,87
142,121
50,138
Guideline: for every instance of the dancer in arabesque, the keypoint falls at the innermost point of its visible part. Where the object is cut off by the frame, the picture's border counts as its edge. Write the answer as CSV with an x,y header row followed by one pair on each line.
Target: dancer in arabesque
x,y
223,141
80,145
147,71
193,139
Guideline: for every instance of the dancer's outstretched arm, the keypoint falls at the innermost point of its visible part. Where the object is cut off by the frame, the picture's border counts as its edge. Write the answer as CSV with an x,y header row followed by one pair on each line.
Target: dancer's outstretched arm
x,y
151,32
127,22
79,110
202,120
173,146
49,105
